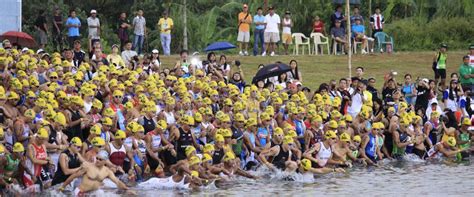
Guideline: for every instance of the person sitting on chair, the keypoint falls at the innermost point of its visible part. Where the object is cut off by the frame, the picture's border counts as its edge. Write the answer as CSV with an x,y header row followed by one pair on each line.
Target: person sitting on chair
x,y
358,31
338,34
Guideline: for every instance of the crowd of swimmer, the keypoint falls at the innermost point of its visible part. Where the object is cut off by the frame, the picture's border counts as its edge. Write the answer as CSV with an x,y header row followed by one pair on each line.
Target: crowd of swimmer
x,y
60,122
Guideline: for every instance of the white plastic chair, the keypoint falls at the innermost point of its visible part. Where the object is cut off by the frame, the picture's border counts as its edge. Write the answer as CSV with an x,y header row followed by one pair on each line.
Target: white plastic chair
x,y
335,45
320,39
355,43
299,39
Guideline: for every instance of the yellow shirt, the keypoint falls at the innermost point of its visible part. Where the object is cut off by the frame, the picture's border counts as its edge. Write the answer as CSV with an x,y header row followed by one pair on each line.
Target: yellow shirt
x,y
164,24
245,25
116,59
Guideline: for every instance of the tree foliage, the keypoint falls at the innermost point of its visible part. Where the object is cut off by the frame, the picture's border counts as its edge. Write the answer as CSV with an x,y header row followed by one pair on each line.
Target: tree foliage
x,y
215,20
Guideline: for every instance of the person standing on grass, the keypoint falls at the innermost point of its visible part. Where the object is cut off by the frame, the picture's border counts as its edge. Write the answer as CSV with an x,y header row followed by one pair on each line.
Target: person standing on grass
x,y
139,29
166,25
94,29
356,15
466,73
286,25
245,19
73,24
259,21
42,29
439,66
272,31
338,15
377,21
123,25
57,29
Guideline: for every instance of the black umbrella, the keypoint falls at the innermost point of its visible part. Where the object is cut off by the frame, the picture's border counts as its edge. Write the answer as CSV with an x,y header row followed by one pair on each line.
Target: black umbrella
x,y
270,70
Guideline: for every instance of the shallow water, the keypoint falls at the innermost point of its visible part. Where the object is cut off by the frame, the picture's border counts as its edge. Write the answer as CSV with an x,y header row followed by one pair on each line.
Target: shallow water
x,y
399,178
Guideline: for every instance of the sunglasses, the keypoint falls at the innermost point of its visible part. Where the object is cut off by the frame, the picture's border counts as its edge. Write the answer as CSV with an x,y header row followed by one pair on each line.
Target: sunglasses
x,y
349,121
200,76
99,147
99,159
77,147
53,77
118,97
334,138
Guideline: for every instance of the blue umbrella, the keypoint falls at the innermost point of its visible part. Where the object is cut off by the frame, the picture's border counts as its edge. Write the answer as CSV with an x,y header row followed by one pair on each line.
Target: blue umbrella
x,y
219,46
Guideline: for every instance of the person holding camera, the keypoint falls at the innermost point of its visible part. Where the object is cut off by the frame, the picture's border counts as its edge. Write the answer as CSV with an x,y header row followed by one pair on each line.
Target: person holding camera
x,y
238,77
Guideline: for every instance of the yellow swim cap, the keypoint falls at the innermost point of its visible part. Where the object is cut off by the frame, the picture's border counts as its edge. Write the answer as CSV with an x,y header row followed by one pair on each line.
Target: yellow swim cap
x,y
120,134
330,134
206,157
194,160
208,148
189,150
357,138
229,156
306,164
43,133
18,148
345,137
219,138
288,140
332,124
451,141
195,173
76,141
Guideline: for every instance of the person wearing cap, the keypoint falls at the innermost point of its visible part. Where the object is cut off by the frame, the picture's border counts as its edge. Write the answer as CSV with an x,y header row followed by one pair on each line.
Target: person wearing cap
x,y
115,58
69,161
445,149
281,154
358,33
119,152
272,31
243,37
338,34
11,164
93,175
93,24
73,24
466,73
42,29
286,25
166,25
306,168
156,143
184,137
38,160
264,129
439,66
464,139
233,169
401,138
321,153
342,151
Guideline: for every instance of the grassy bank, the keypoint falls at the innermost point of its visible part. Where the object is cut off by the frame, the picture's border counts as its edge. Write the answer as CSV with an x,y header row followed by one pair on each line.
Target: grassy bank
x,y
320,69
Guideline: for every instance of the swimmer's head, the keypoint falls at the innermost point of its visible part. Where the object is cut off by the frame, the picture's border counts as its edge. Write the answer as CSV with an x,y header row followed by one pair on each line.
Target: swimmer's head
x,y
102,156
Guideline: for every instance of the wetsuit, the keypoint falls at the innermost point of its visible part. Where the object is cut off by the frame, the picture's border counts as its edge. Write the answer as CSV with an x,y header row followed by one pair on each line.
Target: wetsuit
x,y
148,124
75,131
218,155
185,139
238,135
399,152
370,149
74,162
280,159
155,143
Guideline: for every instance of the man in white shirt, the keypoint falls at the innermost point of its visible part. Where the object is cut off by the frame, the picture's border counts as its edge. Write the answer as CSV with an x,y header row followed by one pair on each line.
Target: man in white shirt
x,y
139,29
272,31
128,53
93,24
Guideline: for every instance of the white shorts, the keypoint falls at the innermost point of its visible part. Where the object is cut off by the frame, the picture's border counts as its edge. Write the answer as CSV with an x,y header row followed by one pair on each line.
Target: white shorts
x,y
271,37
243,36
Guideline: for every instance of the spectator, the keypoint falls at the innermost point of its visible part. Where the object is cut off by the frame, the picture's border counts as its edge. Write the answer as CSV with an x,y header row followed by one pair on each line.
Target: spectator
x,y
338,15
73,23
371,88
128,53
166,25
286,25
318,26
338,34
360,73
294,74
376,22
258,33
99,58
356,15
123,25
409,90
139,29
93,24
57,30
243,37
422,94
358,32
451,96
42,29
79,54
155,59
224,66
115,58
466,73
272,31
439,65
